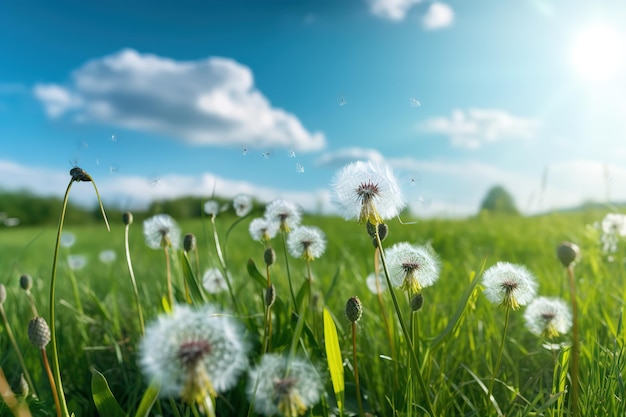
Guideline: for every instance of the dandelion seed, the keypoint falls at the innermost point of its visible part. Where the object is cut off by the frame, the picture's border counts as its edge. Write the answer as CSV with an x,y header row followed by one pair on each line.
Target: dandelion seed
x,y
194,354
299,168
68,239
161,230
414,102
342,101
245,151
412,267
376,285
76,262
262,229
266,155
292,154
285,213
113,138
213,281
366,191
242,204
509,285
277,386
113,169
107,256
307,242
212,207
548,317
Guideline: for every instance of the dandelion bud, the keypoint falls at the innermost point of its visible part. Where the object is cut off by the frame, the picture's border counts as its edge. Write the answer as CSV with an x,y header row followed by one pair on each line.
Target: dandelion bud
x,y
127,218
270,295
269,256
26,282
189,242
567,253
354,309
24,388
382,230
371,229
39,332
417,302
3,294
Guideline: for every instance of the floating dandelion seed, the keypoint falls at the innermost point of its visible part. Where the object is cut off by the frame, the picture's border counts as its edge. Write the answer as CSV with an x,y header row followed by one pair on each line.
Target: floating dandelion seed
x,y
113,138
366,191
342,101
280,386
299,168
509,285
548,317
155,181
412,267
292,154
266,155
245,151
414,102
113,169
194,354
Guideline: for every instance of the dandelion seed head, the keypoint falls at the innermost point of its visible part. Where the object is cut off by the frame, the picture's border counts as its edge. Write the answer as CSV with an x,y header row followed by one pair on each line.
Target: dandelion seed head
x,y
212,207
412,267
548,317
76,262
160,231
613,227
68,239
274,393
193,351
262,229
213,281
376,285
307,242
509,285
242,204
284,213
107,256
366,191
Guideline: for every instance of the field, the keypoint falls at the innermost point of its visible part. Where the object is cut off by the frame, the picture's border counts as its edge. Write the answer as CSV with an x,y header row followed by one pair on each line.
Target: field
x,y
457,333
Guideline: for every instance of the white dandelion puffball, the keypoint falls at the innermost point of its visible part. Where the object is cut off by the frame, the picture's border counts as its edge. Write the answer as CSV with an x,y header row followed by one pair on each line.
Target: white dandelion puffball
x,y
212,207
285,213
213,281
367,191
199,348
509,285
614,223
274,393
161,230
107,256
307,242
376,285
242,204
262,229
76,262
548,317
412,267
68,239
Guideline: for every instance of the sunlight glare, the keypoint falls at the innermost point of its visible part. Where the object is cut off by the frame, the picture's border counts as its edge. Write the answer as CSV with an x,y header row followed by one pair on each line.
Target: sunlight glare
x,y
598,53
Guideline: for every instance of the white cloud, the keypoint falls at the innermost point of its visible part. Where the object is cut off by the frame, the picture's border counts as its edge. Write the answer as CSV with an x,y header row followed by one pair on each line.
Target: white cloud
x,y
205,102
475,127
344,156
438,16
391,9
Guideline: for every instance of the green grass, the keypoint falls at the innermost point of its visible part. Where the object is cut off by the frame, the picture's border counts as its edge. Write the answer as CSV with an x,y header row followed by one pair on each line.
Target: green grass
x,y
457,367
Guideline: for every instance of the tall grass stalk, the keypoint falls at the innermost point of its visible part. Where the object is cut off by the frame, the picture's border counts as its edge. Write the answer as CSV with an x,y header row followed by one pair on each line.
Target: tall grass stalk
x,y
575,342
405,332
128,219
220,257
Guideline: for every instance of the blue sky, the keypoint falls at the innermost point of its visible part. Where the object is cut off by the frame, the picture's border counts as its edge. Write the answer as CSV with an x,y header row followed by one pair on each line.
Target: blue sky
x,y
161,99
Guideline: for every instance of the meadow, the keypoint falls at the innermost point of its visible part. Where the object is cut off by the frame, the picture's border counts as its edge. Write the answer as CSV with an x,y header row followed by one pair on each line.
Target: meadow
x,y
465,365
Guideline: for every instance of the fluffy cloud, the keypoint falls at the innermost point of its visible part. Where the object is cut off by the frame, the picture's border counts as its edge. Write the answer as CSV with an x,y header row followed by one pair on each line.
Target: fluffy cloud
x,y
205,102
391,9
475,127
344,156
438,16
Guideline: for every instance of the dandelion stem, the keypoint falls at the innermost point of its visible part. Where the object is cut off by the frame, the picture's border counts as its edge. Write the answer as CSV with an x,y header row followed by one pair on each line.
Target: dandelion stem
x,y
293,297
132,279
53,338
356,371
7,326
170,291
53,387
407,337
499,359
575,342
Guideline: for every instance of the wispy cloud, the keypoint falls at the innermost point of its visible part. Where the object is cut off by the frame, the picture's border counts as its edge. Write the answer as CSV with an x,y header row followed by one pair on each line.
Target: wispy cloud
x,y
475,127
438,16
340,157
391,9
205,102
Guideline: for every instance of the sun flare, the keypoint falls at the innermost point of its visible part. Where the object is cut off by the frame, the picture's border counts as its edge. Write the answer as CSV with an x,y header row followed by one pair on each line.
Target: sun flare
x,y
598,53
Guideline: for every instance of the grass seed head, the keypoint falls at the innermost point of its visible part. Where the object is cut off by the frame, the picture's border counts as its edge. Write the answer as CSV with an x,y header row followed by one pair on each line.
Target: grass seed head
x,y
417,302
26,282
270,295
189,242
354,309
38,332
269,256
568,253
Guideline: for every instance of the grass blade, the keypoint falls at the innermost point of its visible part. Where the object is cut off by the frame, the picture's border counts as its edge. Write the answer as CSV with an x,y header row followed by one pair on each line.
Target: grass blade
x,y
148,400
333,355
103,398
